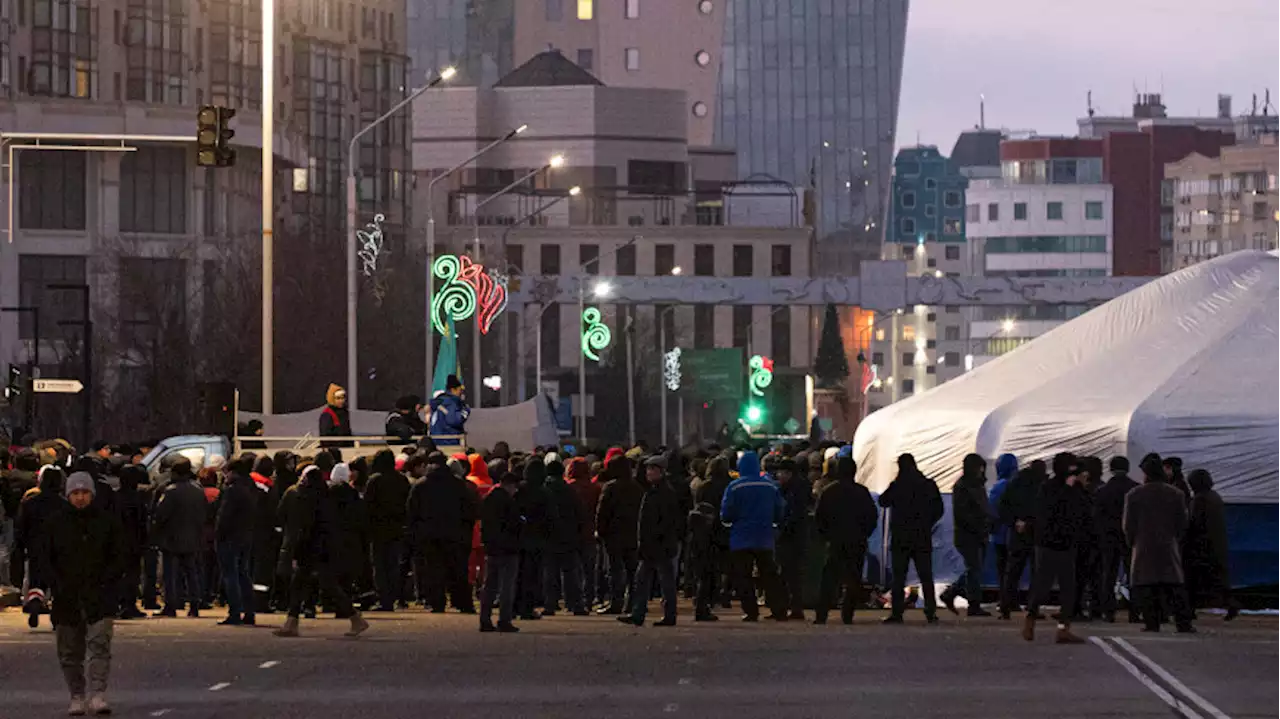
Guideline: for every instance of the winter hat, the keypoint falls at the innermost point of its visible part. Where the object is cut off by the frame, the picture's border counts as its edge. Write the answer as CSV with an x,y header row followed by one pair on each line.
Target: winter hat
x,y
78,481
331,394
1119,464
551,457
830,452
341,474
452,382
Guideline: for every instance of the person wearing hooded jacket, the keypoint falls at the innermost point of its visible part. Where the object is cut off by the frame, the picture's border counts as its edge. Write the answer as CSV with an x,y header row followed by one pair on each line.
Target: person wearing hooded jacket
x,y
708,540
587,491
971,512
131,506
481,479
266,537
752,506
500,524
793,534
617,517
350,546
1205,556
404,423
233,534
449,412
442,512
38,507
915,506
1006,468
177,527
1017,510
1061,508
386,499
845,517
335,420
307,551
561,560
658,535
533,502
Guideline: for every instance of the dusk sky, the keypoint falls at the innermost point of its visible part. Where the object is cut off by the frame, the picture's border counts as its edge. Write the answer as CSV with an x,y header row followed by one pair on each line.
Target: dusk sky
x,y
1035,61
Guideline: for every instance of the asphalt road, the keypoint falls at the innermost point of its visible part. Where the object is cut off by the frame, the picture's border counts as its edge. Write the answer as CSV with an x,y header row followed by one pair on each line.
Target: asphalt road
x,y
420,665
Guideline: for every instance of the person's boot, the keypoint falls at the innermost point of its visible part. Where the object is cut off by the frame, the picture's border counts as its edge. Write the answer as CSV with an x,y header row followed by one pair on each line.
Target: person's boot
x,y
77,708
1029,627
948,599
507,628
1065,636
978,611
288,629
358,625
820,618
1232,612
98,705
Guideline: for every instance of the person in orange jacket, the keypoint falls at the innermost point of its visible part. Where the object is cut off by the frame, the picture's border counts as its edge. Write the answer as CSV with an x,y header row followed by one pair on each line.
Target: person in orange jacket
x,y
479,476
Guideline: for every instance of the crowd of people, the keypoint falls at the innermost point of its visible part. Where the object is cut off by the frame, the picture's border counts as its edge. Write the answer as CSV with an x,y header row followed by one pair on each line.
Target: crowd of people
x,y
537,533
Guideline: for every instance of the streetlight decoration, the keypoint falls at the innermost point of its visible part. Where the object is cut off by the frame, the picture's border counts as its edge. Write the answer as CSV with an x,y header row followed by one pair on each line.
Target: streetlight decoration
x,y
468,289
671,369
761,374
371,244
595,335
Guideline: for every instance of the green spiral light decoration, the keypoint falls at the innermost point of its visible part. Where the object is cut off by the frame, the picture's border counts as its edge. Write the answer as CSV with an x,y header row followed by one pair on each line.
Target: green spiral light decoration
x,y
456,300
761,374
596,335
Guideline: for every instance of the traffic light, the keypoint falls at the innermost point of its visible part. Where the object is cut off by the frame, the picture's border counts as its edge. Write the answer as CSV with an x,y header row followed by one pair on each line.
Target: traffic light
x,y
213,137
13,388
753,414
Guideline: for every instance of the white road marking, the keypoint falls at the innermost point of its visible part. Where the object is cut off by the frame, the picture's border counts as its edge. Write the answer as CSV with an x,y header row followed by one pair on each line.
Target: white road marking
x,y
160,712
1147,681
219,686
268,665
1172,681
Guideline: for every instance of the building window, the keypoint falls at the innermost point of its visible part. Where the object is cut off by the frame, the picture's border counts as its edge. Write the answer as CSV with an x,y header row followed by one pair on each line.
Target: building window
x,y
951,334
781,260
586,9
156,53
780,336
908,386
631,9
932,262
930,210
908,200
877,358
35,273
554,10
586,58
931,317
704,327
627,261
153,190
952,226
664,259
931,369
973,213
742,326
908,333
1053,210
950,309
908,226
743,260
549,259
908,359
993,212
953,252
951,198
908,252
1019,210
633,59
1046,243
51,193
589,258
704,260
930,183
235,53
515,258
1093,210
64,59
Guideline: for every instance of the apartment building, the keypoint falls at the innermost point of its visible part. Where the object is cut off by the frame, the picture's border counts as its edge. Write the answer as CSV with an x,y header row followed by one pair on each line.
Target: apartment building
x,y
1223,204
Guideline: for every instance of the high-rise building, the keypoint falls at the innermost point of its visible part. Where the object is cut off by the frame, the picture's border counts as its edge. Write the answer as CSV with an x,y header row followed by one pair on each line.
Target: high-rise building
x,y
1223,204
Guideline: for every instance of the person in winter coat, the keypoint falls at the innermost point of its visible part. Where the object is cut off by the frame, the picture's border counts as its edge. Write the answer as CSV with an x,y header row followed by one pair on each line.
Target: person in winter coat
x,y
1155,523
309,528
658,535
335,421
915,506
793,535
1088,586
386,499
1006,470
587,491
1173,473
480,477
1113,550
1205,560
971,512
708,537
561,560
845,517
38,507
266,537
350,543
1017,510
81,555
1061,508
500,525
449,412
177,528
534,504
752,505
404,423
442,510
616,519
131,507
237,510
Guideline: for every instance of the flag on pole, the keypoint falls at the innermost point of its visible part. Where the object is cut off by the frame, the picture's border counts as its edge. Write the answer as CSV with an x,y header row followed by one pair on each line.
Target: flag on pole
x,y
446,360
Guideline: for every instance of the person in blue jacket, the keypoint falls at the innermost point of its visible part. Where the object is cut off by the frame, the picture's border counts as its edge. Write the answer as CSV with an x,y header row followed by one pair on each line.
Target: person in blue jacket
x,y
1006,468
751,507
449,411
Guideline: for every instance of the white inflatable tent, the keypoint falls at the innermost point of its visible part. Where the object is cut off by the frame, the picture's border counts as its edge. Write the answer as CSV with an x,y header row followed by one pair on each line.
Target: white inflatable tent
x,y
1186,365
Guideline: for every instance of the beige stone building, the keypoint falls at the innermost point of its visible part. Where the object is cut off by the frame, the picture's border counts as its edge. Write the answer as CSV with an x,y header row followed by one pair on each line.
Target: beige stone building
x,y
1224,204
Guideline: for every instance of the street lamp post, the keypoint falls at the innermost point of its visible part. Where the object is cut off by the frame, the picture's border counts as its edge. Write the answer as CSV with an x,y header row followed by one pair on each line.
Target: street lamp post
x,y
601,291
268,202
353,373
428,368
556,161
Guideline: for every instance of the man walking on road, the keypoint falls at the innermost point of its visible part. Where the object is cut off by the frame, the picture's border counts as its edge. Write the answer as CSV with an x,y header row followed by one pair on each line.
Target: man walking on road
x,y
914,505
751,507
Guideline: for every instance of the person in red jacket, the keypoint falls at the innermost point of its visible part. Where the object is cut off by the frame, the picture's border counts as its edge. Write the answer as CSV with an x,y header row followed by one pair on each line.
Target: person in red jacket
x,y
479,476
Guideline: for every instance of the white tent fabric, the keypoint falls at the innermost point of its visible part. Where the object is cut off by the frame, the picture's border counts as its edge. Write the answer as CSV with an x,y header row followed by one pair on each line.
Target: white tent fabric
x,y
1186,366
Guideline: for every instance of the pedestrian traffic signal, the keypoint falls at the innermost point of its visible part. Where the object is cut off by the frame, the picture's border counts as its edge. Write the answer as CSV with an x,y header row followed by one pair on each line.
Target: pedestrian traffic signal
x,y
13,388
213,137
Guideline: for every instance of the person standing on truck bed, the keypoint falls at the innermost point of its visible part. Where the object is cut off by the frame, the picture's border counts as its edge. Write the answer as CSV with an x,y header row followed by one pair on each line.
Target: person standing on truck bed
x,y
404,422
449,411
334,419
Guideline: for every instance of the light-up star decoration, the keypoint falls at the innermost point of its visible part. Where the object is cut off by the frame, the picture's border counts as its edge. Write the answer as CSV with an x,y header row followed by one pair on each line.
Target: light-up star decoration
x,y
595,334
761,374
467,289
671,369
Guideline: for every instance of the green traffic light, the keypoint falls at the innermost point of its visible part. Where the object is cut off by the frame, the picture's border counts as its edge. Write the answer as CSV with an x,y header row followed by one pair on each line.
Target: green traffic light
x,y
754,414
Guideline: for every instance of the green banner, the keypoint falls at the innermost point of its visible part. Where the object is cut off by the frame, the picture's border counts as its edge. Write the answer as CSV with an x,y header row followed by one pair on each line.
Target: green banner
x,y
713,374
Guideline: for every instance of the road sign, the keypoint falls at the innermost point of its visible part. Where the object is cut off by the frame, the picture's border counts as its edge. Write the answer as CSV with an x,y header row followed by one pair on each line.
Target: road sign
x,y
715,374
57,386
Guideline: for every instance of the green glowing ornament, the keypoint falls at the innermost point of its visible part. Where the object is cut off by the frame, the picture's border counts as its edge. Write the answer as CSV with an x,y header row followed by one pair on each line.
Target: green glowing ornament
x,y
456,300
761,374
596,335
